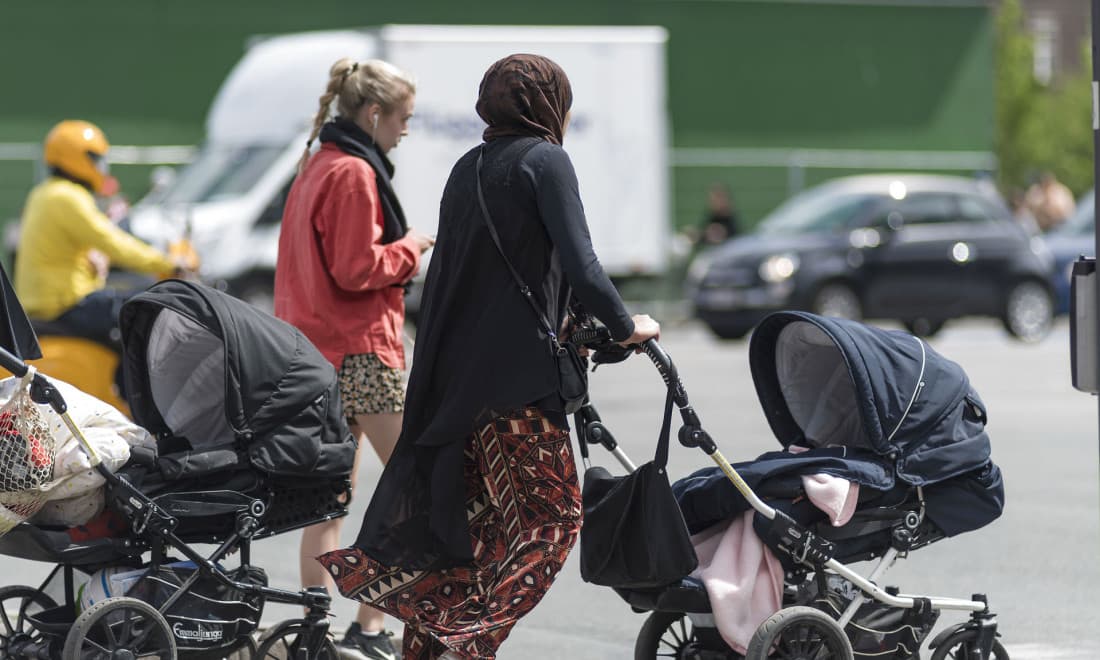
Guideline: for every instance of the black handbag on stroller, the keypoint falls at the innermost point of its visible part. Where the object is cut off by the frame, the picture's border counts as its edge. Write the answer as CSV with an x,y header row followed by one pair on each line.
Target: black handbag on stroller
x,y
634,536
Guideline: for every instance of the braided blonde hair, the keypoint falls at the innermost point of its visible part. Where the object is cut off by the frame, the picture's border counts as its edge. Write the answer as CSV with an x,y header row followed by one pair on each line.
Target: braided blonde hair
x,y
354,84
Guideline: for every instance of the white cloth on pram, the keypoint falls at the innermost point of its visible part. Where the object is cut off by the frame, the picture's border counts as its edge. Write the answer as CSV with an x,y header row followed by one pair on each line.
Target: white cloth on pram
x,y
75,493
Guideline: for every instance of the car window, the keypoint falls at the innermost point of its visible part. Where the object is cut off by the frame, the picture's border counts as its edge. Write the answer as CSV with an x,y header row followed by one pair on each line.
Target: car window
x,y
221,172
273,214
975,208
918,209
815,210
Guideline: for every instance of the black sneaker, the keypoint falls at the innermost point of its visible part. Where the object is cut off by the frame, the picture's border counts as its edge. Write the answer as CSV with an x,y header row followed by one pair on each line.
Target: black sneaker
x,y
357,645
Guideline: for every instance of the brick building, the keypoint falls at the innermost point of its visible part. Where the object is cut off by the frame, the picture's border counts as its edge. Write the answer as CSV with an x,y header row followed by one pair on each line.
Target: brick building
x,y
1060,28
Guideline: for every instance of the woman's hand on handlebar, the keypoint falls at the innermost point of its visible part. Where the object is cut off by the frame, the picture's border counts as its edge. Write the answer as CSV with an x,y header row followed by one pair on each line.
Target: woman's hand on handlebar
x,y
645,328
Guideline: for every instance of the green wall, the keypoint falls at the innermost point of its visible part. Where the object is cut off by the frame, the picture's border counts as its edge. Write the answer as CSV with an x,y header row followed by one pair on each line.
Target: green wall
x,y
771,73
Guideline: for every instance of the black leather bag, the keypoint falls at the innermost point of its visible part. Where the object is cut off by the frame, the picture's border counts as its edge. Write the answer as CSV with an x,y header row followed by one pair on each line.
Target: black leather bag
x,y
572,368
634,535
572,377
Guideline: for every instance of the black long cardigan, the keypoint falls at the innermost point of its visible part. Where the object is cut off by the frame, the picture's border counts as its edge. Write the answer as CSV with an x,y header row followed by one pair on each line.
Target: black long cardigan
x,y
480,351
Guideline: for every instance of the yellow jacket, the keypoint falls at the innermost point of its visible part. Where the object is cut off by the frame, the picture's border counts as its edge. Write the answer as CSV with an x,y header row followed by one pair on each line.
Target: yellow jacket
x,y
61,223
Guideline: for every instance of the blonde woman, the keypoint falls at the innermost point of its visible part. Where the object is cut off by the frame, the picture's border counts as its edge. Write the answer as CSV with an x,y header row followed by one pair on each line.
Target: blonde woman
x,y
345,255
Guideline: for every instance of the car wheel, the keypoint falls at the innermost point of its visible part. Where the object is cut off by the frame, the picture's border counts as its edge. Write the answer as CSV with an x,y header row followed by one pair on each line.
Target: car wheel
x,y
1029,311
729,331
923,327
837,300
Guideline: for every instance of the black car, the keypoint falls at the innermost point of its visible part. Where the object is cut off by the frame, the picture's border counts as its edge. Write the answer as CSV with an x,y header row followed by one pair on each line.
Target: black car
x,y
919,249
1074,238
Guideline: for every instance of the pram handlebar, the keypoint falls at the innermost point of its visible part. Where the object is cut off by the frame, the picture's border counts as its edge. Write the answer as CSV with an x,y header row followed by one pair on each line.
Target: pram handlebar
x,y
691,434
591,337
42,391
12,363
598,338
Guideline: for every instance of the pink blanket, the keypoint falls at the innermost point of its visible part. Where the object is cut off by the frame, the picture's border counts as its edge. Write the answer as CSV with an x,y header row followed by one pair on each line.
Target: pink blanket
x,y
744,580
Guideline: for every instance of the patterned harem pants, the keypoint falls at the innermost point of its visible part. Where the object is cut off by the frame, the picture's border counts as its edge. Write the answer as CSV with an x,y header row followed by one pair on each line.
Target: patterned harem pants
x,y
524,510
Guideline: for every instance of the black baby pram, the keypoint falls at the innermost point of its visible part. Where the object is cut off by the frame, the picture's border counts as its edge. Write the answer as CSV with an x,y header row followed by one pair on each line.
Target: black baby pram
x,y
250,442
876,407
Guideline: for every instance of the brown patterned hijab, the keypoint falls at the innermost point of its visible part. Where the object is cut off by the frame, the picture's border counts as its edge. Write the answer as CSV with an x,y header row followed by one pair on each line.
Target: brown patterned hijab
x,y
524,95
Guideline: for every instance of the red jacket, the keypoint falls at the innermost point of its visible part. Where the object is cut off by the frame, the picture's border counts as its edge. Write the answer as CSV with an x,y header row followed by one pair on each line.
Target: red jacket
x,y
334,279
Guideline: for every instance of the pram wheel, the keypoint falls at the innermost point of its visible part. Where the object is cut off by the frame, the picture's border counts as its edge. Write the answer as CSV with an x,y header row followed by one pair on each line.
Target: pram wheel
x,y
246,651
799,632
287,641
672,635
959,645
16,632
117,628
663,635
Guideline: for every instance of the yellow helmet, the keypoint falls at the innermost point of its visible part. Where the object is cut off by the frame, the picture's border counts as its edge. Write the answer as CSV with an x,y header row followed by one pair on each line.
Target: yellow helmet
x,y
79,150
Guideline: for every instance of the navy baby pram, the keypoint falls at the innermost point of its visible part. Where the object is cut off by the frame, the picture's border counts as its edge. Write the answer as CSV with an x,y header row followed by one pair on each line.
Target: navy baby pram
x,y
876,407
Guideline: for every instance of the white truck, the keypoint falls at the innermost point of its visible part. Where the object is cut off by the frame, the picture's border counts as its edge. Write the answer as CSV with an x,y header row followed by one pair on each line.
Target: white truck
x,y
231,195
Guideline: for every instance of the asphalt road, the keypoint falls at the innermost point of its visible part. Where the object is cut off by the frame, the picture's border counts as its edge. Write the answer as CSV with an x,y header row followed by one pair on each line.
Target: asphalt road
x,y
1037,563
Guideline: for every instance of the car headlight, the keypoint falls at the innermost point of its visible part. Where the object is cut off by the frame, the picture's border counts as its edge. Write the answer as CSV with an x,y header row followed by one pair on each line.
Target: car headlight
x,y
778,268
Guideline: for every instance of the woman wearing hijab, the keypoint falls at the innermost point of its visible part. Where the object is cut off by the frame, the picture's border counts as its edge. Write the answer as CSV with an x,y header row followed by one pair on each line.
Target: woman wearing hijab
x,y
479,504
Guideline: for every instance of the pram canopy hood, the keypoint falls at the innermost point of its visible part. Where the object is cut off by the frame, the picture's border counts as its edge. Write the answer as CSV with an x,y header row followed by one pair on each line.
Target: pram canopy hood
x,y
213,370
833,382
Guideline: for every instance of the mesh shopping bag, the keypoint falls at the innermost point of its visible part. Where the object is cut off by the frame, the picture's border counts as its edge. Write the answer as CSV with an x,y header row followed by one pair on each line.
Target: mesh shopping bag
x,y
26,457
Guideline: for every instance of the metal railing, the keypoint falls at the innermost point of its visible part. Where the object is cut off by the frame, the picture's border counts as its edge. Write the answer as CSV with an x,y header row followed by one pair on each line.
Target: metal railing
x,y
797,161
119,154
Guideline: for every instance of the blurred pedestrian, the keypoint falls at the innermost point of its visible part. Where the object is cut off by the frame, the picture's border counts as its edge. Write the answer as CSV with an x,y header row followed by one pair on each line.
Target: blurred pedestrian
x,y
721,222
1050,201
480,504
1021,212
345,256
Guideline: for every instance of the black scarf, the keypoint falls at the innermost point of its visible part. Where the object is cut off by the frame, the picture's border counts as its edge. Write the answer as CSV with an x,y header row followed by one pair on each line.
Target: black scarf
x,y
353,140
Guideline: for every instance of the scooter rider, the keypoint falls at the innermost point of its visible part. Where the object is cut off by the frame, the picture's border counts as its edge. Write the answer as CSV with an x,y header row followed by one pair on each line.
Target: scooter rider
x,y
56,277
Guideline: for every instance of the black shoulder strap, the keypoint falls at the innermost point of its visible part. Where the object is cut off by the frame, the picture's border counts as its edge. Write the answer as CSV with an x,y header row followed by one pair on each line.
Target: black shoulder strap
x,y
523,288
582,418
661,457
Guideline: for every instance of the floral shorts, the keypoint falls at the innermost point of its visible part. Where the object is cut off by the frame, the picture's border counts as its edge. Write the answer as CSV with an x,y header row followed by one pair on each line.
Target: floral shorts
x,y
368,387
